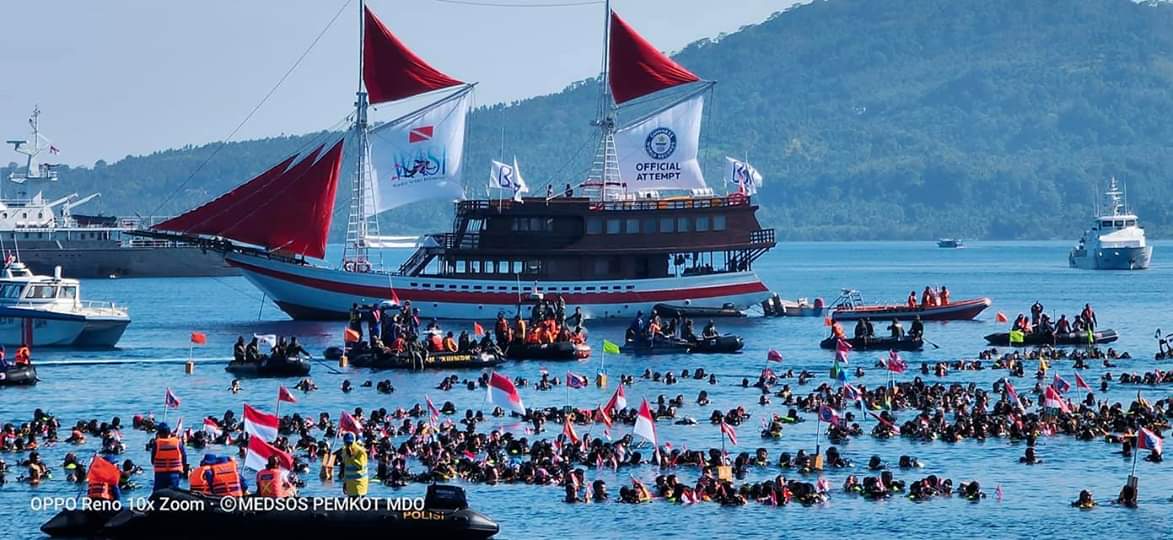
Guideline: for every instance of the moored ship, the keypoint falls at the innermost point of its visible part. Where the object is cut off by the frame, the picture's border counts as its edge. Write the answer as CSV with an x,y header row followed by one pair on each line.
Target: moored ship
x,y
643,228
1115,241
47,233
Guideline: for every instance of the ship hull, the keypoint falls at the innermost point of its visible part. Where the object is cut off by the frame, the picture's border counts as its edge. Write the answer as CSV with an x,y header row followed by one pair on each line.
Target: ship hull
x,y
316,293
128,262
1132,258
38,328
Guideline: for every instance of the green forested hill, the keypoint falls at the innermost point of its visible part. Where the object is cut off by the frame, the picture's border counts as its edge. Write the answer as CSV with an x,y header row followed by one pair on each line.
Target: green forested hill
x,y
897,119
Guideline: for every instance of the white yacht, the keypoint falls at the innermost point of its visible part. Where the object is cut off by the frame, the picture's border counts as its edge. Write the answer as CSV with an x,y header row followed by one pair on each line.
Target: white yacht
x,y
1116,241
47,311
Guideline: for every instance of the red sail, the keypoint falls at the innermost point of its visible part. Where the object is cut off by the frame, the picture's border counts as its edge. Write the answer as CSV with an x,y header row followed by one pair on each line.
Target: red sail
x,y
390,70
286,208
637,68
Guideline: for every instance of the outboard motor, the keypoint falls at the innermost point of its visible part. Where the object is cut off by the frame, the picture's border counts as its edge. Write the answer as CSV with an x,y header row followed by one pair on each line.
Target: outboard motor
x,y
445,497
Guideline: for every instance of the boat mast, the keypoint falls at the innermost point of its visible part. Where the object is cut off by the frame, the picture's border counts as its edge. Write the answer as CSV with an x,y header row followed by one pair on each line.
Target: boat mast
x,y
359,223
604,175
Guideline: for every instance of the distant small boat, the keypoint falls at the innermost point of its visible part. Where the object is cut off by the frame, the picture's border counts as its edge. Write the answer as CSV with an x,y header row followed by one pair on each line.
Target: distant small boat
x,y
885,343
47,311
775,306
850,307
672,311
1069,338
950,243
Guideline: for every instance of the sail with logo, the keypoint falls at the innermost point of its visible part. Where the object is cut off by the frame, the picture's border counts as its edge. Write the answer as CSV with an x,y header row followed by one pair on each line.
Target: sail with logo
x,y
657,151
287,210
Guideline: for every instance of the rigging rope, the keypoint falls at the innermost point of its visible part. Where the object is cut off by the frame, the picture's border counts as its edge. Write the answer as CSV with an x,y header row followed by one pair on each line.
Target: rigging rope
x,y
254,110
507,5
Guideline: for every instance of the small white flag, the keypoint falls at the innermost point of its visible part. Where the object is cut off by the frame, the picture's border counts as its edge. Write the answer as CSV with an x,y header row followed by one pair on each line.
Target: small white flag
x,y
744,176
267,339
508,177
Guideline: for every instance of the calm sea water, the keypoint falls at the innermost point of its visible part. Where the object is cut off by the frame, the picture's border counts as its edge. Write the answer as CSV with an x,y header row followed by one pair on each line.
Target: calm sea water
x,y
1014,274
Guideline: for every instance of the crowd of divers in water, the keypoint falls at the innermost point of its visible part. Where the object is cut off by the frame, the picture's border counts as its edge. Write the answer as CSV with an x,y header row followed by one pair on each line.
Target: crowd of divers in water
x,y
455,448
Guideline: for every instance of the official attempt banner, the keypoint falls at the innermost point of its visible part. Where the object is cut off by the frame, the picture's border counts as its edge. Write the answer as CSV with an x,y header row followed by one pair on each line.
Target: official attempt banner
x,y
660,152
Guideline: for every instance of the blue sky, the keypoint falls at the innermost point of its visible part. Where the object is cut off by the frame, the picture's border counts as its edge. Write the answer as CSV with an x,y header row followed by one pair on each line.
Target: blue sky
x,y
133,76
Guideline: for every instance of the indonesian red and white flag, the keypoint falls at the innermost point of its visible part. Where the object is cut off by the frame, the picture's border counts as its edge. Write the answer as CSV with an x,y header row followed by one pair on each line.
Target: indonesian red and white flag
x,y
773,356
259,423
645,423
503,393
1012,394
618,400
568,430
842,348
348,423
1052,399
258,454
283,394
729,432
1080,383
212,427
477,329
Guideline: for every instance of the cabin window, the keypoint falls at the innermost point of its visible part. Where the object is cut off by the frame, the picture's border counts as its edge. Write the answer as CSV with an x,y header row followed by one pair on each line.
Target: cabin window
x,y
11,290
69,292
461,266
1106,224
1119,223
533,266
613,226
1130,223
594,226
718,223
502,267
667,225
702,223
649,225
516,267
42,292
682,224
632,226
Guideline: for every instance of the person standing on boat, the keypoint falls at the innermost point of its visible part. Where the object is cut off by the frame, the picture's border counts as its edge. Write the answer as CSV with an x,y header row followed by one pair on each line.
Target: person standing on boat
x,y
576,319
861,329
944,296
1036,311
168,458
896,328
24,358
926,297
1089,317
352,459
911,299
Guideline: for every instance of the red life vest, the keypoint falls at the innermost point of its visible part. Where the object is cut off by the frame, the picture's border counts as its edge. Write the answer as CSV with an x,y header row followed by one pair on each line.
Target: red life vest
x,y
198,481
270,483
226,480
167,457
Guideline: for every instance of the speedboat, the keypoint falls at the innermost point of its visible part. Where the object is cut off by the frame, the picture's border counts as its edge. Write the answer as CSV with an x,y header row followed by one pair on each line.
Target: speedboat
x,y
1115,241
47,311
850,307
950,243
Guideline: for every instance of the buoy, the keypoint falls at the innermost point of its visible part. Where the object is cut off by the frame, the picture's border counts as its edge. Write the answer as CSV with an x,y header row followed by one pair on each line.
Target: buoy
x,y
189,367
601,380
343,361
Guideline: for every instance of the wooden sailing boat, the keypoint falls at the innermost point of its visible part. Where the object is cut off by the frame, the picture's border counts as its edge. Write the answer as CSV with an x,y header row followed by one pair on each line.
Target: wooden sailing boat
x,y
644,230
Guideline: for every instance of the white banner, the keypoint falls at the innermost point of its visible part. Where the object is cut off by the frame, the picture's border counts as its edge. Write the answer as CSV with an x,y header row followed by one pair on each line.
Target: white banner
x,y
419,158
660,152
744,176
508,177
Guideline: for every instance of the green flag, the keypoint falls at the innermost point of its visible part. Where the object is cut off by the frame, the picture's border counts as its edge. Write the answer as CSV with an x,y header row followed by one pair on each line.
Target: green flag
x,y
609,347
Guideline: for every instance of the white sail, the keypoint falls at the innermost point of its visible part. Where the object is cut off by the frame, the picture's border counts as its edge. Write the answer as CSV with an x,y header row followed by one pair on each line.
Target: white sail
x,y
507,177
660,152
743,175
418,157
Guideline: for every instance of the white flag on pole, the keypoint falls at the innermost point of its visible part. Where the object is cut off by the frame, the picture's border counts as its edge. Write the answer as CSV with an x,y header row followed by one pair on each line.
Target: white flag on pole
x,y
419,157
744,176
508,177
267,339
660,152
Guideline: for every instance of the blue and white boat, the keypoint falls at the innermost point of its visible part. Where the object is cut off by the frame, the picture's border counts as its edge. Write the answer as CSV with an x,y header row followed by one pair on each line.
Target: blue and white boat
x,y
1116,241
47,311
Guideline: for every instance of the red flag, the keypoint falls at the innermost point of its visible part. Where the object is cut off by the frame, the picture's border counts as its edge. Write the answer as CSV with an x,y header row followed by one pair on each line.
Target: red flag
x,y
729,432
1001,317
259,453
259,423
351,336
618,400
568,430
1080,383
349,423
602,416
432,410
212,427
477,329
283,394
768,373
394,297
895,363
827,321
103,471
1148,440
199,338
773,356
169,400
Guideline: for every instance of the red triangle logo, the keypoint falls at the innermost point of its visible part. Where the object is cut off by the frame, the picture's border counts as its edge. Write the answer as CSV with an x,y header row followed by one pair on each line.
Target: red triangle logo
x,y
422,133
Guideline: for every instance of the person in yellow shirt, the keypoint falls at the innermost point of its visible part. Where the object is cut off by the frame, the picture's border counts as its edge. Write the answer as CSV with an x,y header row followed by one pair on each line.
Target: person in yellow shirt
x,y
352,459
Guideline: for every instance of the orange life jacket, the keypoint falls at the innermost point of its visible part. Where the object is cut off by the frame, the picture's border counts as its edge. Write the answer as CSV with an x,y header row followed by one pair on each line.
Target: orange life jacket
x,y
102,491
22,356
198,481
270,483
450,345
534,337
437,343
226,480
944,298
167,457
